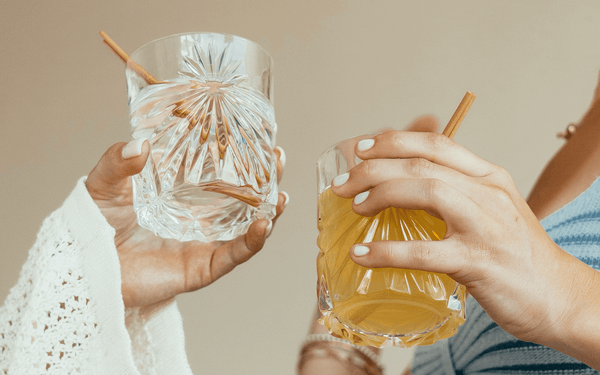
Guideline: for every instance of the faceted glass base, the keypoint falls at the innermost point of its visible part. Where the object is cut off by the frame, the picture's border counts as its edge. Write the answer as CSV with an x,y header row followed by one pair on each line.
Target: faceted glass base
x,y
408,321
203,216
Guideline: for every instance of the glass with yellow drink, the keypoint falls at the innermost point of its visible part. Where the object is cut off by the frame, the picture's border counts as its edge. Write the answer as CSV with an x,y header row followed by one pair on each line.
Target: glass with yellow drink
x,y
380,306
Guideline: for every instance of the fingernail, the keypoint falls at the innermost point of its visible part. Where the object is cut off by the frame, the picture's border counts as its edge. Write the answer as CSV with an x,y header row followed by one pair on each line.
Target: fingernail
x,y
133,148
341,179
360,250
361,197
268,228
287,198
282,158
365,144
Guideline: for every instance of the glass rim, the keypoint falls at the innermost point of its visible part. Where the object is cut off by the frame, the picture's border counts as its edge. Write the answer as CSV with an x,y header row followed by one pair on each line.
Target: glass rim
x,y
357,137
173,36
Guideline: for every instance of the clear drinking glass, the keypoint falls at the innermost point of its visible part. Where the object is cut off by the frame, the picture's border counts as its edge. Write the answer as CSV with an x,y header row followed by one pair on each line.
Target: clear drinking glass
x,y
211,126
386,306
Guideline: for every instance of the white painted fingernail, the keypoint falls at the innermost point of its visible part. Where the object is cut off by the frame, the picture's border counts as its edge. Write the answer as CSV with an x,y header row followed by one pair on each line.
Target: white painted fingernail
x,y
341,179
282,158
361,197
365,144
269,228
287,198
133,148
360,250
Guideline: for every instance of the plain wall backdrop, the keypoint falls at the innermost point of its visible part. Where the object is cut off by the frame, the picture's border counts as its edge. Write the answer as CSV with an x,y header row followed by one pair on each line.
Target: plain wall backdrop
x,y
342,68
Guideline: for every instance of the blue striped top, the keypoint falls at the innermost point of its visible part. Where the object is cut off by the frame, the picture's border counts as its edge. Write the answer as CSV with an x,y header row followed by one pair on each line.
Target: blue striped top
x,y
481,347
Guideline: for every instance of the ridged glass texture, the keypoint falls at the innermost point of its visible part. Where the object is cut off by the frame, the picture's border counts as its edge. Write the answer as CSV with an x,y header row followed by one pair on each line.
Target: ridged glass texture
x,y
211,126
378,307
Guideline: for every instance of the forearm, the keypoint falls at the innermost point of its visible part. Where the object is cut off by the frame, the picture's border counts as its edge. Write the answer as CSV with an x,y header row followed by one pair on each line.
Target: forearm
x,y
324,363
570,172
577,334
66,311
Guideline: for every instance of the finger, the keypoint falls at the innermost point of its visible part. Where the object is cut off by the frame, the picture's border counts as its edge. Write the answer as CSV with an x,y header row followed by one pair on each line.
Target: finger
x,y
433,196
282,201
224,258
371,173
348,146
425,123
346,149
233,253
254,240
434,256
281,159
118,163
434,147
238,251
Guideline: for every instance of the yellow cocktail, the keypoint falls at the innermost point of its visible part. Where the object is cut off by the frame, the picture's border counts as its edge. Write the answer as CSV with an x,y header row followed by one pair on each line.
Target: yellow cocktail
x,y
385,306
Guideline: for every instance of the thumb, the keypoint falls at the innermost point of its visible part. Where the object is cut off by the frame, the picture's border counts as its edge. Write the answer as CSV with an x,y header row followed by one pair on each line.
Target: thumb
x,y
233,253
111,175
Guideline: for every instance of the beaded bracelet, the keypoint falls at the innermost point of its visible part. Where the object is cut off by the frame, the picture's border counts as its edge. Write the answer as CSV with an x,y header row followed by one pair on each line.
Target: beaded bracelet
x,y
350,355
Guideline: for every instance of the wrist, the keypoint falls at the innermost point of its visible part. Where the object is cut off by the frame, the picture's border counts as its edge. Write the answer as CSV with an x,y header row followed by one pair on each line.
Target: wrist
x,y
324,354
576,327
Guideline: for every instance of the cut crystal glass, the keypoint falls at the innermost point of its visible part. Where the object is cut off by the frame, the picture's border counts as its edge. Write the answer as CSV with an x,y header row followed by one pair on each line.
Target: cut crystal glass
x,y
211,126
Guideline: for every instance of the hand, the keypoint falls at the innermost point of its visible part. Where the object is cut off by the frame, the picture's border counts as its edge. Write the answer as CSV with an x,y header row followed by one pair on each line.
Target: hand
x,y
494,244
154,269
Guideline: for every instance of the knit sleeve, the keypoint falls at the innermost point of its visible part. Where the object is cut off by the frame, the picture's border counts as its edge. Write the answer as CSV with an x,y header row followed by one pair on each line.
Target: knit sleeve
x,y
66,314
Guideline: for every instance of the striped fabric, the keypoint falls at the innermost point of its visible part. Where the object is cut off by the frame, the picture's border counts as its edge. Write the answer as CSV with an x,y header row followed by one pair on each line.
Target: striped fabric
x,y
482,347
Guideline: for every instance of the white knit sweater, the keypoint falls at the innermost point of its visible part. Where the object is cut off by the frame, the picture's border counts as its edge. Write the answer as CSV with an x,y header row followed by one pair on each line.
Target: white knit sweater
x,y
66,315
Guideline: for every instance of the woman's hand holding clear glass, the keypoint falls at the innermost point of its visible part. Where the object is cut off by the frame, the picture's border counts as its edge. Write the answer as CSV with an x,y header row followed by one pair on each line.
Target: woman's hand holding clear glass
x,y
154,269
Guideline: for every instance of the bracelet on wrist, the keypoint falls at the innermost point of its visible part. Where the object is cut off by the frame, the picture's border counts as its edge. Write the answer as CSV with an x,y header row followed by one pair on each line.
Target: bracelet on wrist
x,y
349,355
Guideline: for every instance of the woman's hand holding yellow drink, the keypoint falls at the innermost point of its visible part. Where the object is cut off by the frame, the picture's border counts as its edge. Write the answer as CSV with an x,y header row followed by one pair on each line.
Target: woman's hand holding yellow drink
x,y
494,244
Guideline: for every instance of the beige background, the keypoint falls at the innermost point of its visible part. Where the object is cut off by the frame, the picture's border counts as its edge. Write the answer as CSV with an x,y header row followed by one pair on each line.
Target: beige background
x,y
342,67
